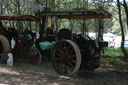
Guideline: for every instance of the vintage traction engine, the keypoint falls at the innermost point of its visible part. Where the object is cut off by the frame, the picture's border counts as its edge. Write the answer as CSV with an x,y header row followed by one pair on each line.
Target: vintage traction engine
x,y
68,51
24,40
72,51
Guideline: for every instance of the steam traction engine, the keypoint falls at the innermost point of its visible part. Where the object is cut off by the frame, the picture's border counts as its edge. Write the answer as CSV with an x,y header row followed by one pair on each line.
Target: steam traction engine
x,y
24,40
70,51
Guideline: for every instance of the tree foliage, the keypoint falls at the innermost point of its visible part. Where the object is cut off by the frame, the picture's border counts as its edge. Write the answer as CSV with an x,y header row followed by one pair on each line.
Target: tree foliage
x,y
30,7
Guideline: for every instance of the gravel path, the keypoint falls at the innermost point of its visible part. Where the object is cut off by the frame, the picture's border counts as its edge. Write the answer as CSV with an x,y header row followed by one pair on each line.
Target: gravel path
x,y
43,74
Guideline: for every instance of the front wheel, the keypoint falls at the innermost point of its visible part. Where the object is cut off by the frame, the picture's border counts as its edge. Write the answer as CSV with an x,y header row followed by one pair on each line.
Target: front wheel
x,y
34,56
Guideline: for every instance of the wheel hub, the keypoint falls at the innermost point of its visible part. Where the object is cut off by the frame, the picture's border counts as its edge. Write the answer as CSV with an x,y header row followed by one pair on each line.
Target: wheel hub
x,y
65,57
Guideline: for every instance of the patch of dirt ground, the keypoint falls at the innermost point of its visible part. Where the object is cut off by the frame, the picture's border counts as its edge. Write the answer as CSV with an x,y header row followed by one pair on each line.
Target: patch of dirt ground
x,y
23,73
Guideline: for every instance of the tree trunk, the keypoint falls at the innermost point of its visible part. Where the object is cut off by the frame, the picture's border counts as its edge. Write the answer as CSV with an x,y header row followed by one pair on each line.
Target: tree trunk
x,y
122,31
1,6
126,10
19,24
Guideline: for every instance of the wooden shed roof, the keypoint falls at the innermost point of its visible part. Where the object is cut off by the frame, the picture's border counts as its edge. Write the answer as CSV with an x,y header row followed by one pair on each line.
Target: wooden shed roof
x,y
18,18
78,14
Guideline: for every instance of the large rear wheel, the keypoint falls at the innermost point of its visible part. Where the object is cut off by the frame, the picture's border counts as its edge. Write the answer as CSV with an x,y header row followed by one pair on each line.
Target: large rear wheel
x,y
66,57
5,47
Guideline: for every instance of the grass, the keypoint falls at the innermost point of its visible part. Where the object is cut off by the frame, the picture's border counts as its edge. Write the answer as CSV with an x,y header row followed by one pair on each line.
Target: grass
x,y
113,55
114,52
114,58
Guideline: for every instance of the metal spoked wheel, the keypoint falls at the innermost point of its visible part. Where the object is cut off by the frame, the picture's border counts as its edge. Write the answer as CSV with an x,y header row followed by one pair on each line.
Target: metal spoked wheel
x,y
66,57
34,56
